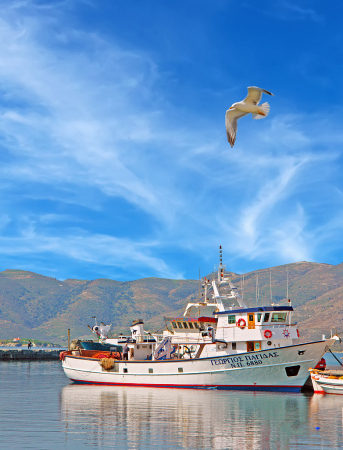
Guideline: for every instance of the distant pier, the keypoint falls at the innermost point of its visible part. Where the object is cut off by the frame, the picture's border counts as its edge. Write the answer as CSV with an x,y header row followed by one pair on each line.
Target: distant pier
x,y
29,355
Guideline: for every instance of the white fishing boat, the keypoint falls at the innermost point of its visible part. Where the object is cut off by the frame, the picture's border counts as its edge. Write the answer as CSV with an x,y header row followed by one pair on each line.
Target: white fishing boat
x,y
234,347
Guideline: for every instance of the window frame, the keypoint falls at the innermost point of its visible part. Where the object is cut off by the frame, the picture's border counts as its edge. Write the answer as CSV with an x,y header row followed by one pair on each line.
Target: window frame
x,y
279,321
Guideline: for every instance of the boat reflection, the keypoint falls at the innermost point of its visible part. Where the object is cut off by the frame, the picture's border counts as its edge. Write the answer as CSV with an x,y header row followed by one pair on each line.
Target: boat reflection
x,y
127,417
326,415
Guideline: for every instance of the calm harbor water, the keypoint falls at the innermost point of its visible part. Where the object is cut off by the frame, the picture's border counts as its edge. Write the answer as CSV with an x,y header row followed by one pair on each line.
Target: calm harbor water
x,y
41,409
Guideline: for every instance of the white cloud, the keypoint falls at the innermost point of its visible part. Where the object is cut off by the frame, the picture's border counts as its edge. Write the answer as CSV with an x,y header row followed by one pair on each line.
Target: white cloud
x,y
81,115
103,250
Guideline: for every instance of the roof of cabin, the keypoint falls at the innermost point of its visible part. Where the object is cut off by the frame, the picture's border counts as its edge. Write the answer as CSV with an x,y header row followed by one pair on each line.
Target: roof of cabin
x,y
257,309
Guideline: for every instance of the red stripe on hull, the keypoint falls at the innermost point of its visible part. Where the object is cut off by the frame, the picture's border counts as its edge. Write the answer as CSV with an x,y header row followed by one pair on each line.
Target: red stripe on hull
x,y
197,386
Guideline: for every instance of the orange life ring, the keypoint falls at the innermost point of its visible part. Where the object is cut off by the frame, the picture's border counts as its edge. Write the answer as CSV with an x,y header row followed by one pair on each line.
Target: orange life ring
x,y
267,334
241,323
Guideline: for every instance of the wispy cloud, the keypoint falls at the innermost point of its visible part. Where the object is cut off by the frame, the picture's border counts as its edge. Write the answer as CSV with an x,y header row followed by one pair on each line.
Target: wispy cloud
x,y
84,121
119,254
291,10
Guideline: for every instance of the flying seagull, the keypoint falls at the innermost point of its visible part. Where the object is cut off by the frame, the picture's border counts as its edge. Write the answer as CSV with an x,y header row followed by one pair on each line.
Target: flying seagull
x,y
246,106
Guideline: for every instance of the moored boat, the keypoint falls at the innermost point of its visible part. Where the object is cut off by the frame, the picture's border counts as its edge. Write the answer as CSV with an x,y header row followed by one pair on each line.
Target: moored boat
x,y
327,381
233,347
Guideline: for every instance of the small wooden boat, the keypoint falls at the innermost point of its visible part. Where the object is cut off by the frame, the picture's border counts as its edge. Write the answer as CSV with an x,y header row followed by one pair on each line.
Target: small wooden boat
x,y
327,381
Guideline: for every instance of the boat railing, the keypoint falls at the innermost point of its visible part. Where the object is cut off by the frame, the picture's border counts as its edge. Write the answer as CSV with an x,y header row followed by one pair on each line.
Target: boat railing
x,y
264,325
139,338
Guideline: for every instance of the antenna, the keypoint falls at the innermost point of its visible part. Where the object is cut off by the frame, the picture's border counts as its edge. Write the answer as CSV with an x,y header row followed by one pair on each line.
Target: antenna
x,y
257,290
270,275
243,288
287,286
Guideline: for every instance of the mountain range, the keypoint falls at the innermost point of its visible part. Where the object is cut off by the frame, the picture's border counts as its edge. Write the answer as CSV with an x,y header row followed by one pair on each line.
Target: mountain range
x,y
40,307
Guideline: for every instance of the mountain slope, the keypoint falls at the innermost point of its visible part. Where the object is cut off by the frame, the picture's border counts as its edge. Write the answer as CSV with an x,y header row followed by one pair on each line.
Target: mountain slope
x,y
35,306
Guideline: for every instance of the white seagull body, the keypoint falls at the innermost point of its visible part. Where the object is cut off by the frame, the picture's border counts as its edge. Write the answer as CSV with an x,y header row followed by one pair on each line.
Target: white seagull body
x,y
246,106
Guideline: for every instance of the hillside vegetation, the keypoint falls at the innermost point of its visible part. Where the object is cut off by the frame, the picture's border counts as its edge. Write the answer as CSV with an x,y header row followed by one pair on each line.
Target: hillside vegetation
x,y
35,306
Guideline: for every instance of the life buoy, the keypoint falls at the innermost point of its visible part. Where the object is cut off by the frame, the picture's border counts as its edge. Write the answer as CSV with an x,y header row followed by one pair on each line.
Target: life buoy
x,y
241,323
267,334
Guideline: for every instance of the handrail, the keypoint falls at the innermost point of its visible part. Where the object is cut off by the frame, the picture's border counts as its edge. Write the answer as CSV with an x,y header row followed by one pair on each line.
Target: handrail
x,y
266,325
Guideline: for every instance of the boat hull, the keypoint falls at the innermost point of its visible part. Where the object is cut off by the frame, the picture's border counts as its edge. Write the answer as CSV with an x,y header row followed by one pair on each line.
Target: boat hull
x,y
278,369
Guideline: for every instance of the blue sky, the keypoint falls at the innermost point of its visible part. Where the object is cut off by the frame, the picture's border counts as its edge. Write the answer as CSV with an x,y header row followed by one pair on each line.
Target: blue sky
x,y
114,157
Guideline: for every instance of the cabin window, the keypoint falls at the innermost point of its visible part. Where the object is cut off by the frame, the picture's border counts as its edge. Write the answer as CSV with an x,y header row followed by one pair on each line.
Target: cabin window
x,y
190,325
185,325
234,345
151,370
259,315
231,319
125,370
279,317
174,324
266,317
179,324
180,369
196,324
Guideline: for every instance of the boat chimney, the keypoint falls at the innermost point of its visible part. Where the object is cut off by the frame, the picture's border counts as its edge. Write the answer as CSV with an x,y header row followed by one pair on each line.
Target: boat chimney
x,y
137,330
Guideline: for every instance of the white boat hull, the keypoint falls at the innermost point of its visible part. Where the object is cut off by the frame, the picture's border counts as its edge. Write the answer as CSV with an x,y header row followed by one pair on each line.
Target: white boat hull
x,y
278,369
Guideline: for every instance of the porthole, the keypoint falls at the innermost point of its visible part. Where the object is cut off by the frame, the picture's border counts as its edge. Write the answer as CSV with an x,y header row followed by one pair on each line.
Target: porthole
x,y
269,343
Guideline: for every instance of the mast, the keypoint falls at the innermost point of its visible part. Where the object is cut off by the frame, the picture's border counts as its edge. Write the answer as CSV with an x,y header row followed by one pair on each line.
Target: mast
x,y
289,300
199,286
220,268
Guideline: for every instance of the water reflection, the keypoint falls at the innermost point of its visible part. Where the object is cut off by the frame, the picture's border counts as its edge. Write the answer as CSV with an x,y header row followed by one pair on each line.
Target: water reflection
x,y
141,418
40,411
326,413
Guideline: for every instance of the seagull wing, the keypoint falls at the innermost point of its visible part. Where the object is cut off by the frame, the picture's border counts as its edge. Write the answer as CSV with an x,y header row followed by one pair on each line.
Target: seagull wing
x,y
255,94
231,117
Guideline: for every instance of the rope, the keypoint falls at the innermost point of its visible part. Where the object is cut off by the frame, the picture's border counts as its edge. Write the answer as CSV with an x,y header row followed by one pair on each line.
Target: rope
x,y
339,362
